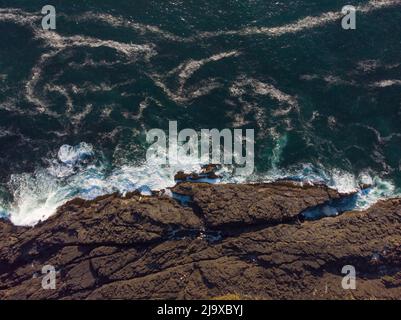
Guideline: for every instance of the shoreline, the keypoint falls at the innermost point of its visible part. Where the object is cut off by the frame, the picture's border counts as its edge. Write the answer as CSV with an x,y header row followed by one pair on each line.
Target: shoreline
x,y
208,178
77,173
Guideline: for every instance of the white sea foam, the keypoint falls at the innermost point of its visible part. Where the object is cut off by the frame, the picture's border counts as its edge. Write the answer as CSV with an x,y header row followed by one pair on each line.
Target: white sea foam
x,y
75,173
303,24
184,72
188,68
120,22
3,210
387,83
238,88
184,96
55,43
37,195
70,155
300,25
58,43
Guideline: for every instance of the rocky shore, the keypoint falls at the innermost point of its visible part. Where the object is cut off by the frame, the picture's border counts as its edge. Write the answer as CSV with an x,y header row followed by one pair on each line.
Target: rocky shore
x,y
247,241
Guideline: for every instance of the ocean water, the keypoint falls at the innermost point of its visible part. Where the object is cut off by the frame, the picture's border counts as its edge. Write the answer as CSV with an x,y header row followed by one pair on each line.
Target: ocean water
x,y
75,102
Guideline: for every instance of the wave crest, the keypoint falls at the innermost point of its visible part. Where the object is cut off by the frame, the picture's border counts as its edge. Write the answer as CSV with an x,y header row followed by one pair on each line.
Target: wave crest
x,y
80,172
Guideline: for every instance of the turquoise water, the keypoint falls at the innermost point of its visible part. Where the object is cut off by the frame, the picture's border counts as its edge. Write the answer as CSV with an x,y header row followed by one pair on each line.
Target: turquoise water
x,y
324,102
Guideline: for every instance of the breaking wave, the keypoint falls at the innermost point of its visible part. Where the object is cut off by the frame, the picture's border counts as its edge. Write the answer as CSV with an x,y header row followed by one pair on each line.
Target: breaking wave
x,y
79,171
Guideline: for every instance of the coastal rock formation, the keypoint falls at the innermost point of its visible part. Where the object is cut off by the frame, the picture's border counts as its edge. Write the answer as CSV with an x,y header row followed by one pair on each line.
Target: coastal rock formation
x,y
248,240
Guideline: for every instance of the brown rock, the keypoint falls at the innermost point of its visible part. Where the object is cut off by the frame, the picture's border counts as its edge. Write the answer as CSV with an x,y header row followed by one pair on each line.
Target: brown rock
x,y
207,172
233,239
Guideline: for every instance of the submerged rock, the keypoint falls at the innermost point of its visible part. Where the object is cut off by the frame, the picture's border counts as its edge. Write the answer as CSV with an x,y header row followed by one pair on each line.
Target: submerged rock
x,y
208,172
245,240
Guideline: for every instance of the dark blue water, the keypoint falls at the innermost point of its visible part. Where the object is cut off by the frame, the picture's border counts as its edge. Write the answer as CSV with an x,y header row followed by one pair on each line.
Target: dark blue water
x,y
324,102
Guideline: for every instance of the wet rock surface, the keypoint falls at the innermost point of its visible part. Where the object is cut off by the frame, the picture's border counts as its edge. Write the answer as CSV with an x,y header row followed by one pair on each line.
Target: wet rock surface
x,y
246,240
